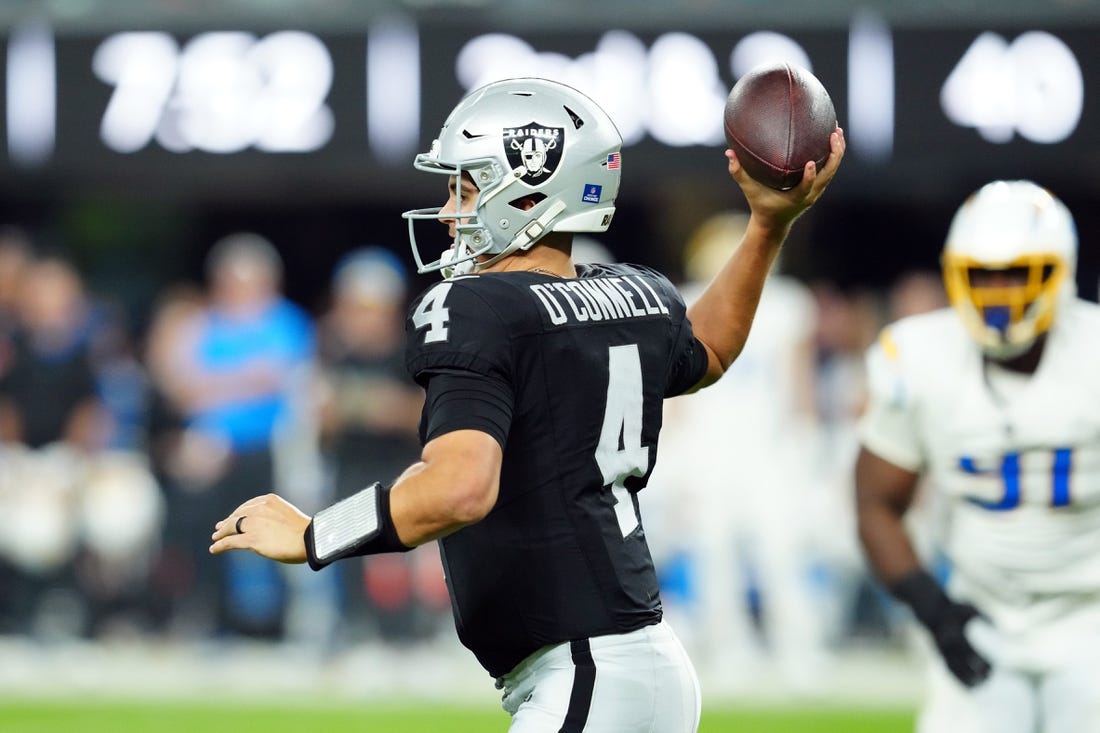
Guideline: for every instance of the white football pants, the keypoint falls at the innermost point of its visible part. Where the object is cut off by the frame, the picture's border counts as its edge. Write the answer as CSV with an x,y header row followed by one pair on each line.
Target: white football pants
x,y
640,682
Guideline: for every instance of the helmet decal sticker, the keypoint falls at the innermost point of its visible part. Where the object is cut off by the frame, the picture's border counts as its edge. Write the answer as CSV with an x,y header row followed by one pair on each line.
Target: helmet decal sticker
x,y
592,193
535,147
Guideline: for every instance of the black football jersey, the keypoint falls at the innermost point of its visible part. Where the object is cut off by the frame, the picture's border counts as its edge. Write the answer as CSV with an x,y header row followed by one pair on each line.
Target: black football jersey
x,y
562,555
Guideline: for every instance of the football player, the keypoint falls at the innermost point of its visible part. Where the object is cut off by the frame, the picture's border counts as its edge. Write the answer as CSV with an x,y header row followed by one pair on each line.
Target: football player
x,y
544,382
995,401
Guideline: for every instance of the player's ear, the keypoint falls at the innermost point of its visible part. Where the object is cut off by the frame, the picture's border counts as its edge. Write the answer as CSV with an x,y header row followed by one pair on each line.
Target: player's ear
x,y
526,203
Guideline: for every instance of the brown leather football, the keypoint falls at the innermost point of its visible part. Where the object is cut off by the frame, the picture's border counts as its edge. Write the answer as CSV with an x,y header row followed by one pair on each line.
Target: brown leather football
x,y
778,117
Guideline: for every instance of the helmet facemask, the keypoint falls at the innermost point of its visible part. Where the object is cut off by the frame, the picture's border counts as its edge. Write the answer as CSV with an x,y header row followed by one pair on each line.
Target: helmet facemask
x,y
1005,309
472,239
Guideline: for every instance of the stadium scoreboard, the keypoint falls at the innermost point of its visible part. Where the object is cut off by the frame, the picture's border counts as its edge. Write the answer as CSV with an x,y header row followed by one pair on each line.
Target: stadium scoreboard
x,y
301,111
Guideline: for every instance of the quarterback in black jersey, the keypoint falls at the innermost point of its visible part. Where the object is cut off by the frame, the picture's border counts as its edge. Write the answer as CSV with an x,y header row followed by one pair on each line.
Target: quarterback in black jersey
x,y
544,386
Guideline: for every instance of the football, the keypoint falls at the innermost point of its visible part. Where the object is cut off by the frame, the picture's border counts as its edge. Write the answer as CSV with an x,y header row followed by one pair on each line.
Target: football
x,y
777,117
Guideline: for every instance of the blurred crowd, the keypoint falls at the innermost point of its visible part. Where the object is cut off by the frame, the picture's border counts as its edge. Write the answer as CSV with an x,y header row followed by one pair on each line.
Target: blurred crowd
x,y
118,452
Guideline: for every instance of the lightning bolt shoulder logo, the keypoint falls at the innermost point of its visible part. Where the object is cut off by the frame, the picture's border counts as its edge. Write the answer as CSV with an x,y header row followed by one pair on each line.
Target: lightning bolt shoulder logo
x,y
537,148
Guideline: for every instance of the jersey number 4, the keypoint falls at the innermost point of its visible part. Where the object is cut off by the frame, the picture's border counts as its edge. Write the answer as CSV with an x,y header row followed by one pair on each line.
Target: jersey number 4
x,y
620,453
432,313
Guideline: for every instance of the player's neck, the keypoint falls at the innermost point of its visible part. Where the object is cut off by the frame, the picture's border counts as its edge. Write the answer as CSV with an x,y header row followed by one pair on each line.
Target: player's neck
x,y
542,259
1027,362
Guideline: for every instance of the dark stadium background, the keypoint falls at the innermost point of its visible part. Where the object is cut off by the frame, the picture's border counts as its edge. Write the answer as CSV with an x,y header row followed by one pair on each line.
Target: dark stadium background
x,y
155,212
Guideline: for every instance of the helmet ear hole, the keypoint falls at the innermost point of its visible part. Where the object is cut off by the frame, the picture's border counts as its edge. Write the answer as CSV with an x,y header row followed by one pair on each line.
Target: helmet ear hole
x,y
527,201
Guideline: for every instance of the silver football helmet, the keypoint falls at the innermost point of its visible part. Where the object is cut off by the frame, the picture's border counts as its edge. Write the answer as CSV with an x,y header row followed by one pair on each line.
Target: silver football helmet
x,y
517,139
1010,226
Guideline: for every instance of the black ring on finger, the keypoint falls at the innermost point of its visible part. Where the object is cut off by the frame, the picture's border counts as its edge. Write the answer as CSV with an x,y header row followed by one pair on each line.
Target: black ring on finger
x,y
238,525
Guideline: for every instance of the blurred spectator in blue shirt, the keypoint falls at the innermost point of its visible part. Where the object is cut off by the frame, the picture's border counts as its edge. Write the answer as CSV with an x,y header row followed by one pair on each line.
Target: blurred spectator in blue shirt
x,y
249,348
251,342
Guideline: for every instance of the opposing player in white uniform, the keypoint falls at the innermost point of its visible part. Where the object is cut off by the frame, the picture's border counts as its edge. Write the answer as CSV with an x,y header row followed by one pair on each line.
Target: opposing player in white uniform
x,y
997,401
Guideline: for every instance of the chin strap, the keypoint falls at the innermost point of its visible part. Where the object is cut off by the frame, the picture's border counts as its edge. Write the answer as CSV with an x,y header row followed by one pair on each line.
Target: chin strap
x,y
448,270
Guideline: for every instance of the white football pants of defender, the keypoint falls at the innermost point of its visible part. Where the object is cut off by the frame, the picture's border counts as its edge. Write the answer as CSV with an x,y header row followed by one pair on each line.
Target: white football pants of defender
x,y
1046,676
624,683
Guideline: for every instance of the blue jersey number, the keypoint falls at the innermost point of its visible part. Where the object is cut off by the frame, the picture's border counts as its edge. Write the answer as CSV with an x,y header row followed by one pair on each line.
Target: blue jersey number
x,y
1010,473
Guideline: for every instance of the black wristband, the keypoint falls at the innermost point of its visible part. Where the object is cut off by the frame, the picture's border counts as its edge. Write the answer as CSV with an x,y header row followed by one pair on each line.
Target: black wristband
x,y
379,537
923,594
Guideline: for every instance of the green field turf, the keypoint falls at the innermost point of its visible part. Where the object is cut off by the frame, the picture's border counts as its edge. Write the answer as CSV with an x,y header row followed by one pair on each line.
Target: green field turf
x,y
253,717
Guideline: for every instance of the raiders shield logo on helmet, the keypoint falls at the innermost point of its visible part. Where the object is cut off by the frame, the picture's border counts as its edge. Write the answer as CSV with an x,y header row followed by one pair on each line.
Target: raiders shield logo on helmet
x,y
537,148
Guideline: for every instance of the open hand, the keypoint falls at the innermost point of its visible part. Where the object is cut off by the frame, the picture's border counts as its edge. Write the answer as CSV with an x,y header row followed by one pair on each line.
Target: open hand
x,y
268,525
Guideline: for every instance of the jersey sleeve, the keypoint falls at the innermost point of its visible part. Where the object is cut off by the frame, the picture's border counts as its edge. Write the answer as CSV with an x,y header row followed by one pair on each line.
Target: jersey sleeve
x,y
452,326
466,401
888,427
688,363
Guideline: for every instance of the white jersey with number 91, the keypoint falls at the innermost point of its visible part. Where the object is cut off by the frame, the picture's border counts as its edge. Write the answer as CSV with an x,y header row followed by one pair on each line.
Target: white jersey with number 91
x,y
1016,458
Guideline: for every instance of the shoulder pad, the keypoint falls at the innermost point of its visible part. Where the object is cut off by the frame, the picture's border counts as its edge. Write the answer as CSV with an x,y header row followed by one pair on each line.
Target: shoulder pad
x,y
455,324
